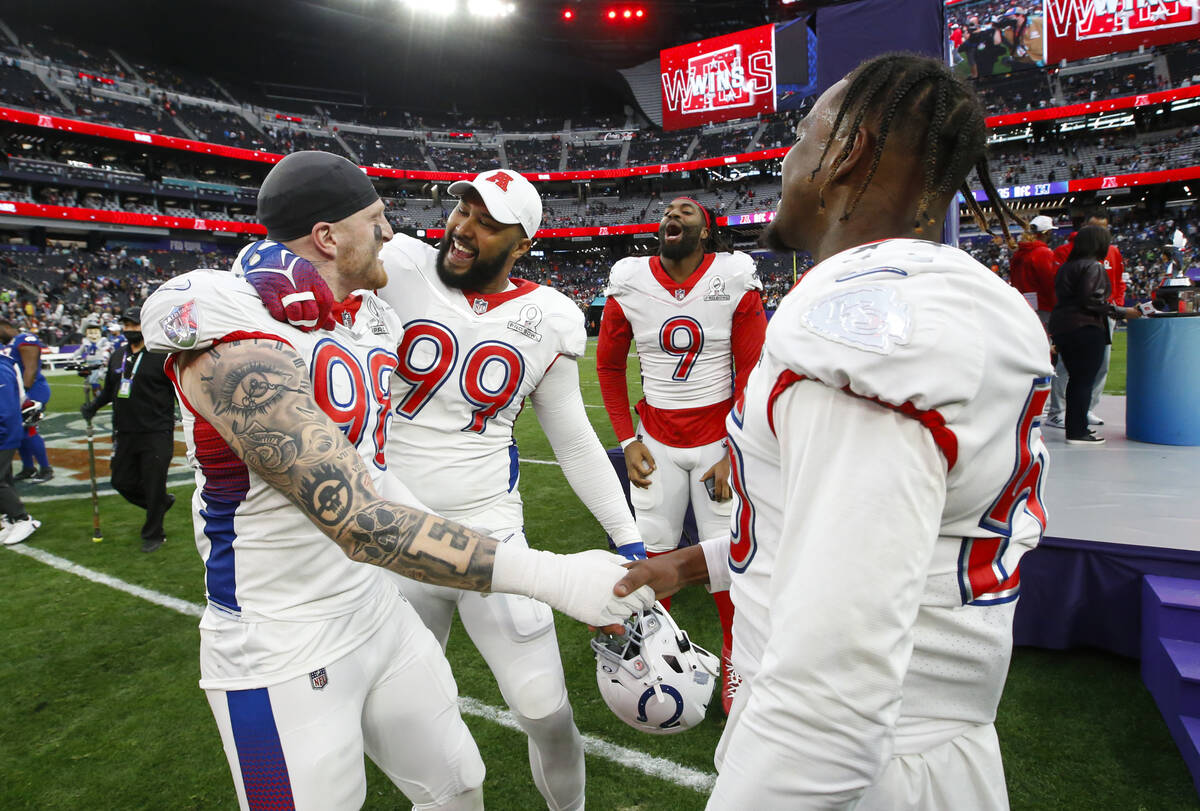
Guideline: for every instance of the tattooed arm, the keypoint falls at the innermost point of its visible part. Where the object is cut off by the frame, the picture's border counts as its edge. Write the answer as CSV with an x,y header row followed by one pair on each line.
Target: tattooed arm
x,y
257,395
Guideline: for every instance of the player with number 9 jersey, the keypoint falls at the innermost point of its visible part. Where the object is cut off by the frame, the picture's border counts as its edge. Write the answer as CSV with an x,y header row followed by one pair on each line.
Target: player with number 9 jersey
x,y
877,374
696,315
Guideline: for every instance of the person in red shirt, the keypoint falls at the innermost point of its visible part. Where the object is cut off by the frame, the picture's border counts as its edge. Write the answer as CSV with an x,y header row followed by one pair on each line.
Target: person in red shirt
x,y
695,311
1033,266
1114,266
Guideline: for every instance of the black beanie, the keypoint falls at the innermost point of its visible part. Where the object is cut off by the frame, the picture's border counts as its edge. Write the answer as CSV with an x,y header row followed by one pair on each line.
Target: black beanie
x,y
306,188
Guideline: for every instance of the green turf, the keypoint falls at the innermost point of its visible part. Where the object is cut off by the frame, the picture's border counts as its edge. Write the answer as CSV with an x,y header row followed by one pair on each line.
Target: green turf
x,y
102,709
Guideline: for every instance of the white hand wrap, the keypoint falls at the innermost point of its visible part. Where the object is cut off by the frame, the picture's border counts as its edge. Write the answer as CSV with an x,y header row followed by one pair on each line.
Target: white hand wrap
x,y
579,585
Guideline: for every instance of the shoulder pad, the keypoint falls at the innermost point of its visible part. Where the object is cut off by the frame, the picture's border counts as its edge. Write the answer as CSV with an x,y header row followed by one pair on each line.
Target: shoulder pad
x,y
404,253
886,335
621,273
562,319
200,308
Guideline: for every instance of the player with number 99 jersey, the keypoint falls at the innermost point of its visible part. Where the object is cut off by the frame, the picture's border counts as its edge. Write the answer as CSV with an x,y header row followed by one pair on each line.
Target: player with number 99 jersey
x,y
467,363
888,464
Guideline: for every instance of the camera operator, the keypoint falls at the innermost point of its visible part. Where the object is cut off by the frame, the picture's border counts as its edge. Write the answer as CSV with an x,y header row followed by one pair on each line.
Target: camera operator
x,y
143,426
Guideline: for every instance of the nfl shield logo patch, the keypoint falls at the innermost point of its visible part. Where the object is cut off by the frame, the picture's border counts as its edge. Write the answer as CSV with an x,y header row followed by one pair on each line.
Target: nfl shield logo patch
x,y
680,293
319,679
180,326
479,305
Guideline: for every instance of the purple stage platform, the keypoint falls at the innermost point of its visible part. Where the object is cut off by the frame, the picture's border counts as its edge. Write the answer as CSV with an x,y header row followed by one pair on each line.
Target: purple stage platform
x,y
1116,513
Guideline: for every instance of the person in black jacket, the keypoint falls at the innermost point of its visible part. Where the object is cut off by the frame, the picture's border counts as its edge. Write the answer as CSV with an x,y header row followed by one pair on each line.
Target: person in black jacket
x,y
143,426
1079,325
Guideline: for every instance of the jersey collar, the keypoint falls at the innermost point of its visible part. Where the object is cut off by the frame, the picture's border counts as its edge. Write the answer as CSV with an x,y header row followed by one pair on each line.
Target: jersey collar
x,y
677,289
480,303
346,311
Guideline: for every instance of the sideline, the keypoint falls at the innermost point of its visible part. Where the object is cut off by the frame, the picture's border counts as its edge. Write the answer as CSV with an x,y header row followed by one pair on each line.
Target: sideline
x,y
660,768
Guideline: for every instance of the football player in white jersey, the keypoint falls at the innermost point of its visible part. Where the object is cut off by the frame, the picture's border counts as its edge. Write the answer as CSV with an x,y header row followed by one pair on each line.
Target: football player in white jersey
x,y
310,658
477,343
888,465
696,315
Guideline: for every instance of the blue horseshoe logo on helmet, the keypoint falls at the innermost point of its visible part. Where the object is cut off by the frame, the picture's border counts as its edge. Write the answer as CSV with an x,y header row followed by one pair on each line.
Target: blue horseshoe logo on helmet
x,y
667,689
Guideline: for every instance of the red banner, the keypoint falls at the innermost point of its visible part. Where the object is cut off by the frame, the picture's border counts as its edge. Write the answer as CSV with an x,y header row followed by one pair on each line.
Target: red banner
x,y
1090,107
719,79
1078,29
128,218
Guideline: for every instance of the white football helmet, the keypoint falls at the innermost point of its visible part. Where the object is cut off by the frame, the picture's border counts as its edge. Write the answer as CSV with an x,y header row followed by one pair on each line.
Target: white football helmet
x,y
654,678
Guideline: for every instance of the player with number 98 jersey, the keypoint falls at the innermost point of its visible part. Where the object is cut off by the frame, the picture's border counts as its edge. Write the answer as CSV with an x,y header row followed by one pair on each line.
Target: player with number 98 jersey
x,y
264,559
913,373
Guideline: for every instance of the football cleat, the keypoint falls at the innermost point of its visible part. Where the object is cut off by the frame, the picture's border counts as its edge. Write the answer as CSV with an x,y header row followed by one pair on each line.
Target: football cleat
x,y
654,678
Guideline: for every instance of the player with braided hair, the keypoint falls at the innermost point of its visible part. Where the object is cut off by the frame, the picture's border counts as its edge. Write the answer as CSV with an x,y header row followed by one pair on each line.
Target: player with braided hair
x,y
887,463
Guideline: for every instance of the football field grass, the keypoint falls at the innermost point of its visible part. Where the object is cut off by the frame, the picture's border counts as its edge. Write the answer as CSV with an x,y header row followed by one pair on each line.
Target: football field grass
x,y
102,708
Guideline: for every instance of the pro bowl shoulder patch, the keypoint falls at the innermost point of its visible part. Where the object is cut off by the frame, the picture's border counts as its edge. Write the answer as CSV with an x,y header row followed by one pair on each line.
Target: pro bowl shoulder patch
x,y
180,326
871,318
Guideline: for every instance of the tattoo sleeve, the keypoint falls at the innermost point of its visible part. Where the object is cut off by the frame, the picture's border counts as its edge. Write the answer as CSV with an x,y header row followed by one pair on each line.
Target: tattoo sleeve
x,y
257,395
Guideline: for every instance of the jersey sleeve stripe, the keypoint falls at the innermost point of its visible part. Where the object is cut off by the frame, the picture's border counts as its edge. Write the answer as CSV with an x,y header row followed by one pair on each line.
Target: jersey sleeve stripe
x,y
250,335
943,436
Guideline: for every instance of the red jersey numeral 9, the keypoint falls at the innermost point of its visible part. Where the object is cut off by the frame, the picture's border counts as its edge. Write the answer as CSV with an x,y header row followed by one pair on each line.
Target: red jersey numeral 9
x,y
683,337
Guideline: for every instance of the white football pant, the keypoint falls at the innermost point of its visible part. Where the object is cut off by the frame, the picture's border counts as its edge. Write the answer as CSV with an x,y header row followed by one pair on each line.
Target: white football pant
x,y
300,744
660,508
515,636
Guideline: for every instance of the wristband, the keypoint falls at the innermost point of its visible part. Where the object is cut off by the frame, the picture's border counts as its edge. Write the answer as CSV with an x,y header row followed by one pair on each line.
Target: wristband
x,y
625,443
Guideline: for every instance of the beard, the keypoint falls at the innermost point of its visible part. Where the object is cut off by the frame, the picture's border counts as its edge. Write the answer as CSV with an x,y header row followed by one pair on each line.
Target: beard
x,y
686,246
480,275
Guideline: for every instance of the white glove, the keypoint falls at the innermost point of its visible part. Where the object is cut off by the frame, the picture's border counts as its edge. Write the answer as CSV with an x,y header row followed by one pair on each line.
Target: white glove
x,y
579,585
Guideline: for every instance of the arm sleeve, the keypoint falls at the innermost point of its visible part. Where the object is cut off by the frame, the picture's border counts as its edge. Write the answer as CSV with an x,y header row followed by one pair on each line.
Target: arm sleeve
x,y
1093,296
559,408
612,357
716,559
1118,279
110,383
748,331
31,362
843,598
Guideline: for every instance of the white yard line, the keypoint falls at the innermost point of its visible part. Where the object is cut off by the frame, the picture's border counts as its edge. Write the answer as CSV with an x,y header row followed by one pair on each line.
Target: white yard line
x,y
661,768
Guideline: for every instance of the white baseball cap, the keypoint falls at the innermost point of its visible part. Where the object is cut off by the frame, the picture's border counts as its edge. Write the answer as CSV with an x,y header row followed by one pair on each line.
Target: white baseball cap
x,y
1041,224
509,198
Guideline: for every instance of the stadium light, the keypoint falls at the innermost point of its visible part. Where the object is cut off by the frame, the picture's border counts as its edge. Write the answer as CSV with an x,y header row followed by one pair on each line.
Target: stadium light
x,y
639,13
627,14
489,8
612,14
438,7
568,14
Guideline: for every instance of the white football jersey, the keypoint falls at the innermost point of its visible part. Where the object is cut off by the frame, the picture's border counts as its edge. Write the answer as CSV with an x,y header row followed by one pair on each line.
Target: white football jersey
x,y
466,366
927,331
683,330
264,559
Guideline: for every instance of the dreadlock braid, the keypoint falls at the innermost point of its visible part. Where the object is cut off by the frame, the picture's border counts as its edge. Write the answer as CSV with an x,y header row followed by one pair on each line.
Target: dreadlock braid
x,y
939,111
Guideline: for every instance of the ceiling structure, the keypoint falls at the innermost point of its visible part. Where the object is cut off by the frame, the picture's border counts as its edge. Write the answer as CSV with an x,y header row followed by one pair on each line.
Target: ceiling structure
x,y
383,51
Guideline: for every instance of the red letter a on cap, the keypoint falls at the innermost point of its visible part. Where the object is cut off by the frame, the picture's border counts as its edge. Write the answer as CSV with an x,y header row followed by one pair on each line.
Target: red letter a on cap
x,y
501,179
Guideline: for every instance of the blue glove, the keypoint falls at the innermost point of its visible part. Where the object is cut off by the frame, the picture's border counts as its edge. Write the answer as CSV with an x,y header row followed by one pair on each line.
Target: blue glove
x,y
290,287
632,551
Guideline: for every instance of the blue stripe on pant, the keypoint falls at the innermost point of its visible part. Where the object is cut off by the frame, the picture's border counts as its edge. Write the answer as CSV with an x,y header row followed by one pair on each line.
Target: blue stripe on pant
x,y
260,754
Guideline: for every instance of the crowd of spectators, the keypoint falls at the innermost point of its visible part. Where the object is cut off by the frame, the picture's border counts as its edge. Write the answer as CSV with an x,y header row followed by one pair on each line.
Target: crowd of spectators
x,y
53,292
1139,236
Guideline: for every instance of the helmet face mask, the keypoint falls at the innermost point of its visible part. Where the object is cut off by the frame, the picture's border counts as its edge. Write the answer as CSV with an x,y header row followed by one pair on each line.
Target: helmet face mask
x,y
654,678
